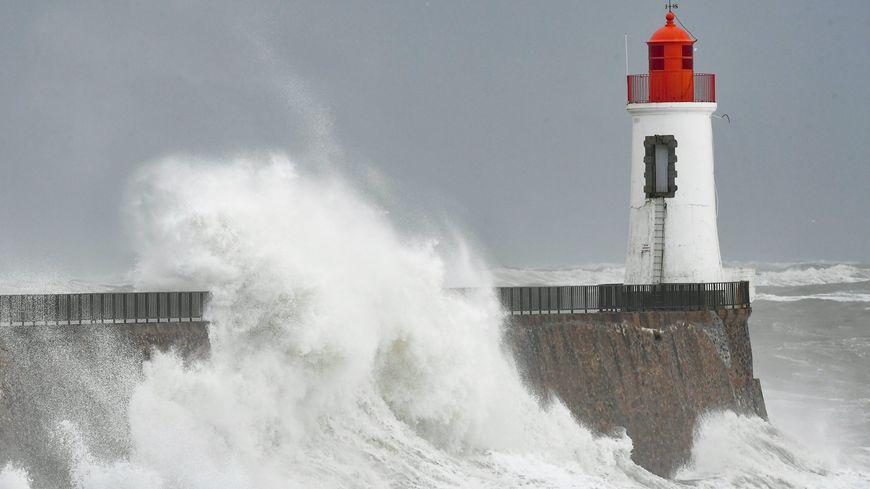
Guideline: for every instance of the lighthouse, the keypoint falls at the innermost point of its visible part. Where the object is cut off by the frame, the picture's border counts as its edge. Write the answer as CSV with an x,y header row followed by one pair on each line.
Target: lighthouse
x,y
673,236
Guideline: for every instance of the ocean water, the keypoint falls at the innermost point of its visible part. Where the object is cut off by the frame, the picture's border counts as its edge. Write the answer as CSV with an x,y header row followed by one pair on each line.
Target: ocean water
x,y
811,341
339,360
810,330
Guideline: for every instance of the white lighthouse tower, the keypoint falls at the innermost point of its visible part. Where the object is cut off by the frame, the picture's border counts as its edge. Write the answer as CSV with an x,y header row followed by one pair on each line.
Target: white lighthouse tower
x,y
672,236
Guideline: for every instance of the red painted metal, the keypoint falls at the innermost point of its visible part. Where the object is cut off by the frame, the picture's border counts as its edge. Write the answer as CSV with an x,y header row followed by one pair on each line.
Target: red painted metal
x,y
671,64
703,89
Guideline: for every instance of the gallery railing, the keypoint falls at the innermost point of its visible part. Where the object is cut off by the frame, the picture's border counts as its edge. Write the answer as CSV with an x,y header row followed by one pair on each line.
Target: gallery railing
x,y
703,89
101,308
620,297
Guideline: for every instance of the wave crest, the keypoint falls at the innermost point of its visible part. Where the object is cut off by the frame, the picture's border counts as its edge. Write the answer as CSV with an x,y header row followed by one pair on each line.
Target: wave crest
x,y
813,275
741,451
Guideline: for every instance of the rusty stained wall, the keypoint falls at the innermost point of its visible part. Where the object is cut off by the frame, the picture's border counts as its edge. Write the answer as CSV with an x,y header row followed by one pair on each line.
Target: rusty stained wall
x,y
653,373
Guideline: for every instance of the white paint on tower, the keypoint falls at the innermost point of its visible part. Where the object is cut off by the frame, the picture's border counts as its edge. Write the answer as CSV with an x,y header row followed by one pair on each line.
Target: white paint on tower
x,y
690,242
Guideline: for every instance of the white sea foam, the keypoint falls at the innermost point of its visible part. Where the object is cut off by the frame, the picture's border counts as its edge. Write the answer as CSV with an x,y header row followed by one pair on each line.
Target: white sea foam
x,y
51,283
813,275
591,275
793,275
739,451
12,477
337,357
339,360
828,296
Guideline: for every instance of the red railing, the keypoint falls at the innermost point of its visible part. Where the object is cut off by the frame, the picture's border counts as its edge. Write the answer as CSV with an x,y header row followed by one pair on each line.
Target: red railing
x,y
704,89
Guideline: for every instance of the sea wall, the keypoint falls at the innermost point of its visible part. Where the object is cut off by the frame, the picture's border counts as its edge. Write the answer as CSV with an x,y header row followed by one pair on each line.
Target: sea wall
x,y
652,373
189,339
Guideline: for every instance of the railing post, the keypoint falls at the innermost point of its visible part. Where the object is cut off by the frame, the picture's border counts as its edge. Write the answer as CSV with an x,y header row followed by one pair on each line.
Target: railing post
x,y
713,87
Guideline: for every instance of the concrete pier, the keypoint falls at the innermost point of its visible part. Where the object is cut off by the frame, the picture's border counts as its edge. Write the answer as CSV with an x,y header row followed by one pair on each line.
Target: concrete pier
x,y
653,373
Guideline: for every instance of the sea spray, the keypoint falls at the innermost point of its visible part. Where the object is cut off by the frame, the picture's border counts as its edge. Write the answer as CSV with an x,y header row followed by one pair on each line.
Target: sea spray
x,y
12,477
740,451
339,360
338,357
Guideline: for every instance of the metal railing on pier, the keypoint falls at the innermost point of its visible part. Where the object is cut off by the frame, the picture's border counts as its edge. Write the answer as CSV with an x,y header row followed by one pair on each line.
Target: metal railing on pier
x,y
620,297
174,307
102,308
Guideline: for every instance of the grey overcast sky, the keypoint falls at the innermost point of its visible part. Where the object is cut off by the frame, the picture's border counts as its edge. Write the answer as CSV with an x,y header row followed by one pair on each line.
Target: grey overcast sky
x,y
505,117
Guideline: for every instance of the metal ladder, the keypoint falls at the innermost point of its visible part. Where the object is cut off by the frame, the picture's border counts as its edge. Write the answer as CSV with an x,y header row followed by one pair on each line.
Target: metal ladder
x,y
658,241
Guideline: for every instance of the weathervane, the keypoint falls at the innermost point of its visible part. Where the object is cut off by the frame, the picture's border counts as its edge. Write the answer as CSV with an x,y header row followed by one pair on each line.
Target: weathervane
x,y
671,5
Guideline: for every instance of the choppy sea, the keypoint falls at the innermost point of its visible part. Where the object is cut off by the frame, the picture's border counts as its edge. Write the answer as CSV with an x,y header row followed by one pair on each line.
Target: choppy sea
x,y
339,360
810,330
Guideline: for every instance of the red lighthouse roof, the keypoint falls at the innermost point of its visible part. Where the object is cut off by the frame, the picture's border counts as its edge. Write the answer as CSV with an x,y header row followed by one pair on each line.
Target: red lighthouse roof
x,y
670,33
672,76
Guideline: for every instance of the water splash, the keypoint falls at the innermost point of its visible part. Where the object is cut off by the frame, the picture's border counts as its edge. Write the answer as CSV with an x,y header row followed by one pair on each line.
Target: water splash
x,y
12,477
740,451
337,356
340,360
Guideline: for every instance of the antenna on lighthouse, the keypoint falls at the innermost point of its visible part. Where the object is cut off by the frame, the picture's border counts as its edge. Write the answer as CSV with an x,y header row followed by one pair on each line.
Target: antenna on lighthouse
x,y
626,54
671,5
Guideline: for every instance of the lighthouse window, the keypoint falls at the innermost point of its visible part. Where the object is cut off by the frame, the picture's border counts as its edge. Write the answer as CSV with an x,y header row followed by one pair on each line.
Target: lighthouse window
x,y
656,58
687,57
660,166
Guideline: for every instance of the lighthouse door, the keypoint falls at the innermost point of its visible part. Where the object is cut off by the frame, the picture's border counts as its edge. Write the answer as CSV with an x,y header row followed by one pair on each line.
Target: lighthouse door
x,y
660,171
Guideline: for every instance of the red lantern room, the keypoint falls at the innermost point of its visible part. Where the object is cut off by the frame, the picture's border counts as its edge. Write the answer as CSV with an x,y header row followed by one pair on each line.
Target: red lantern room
x,y
670,64
671,76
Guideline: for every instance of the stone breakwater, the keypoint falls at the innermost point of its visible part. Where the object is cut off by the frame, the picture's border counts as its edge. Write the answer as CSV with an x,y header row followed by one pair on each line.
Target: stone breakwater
x,y
651,373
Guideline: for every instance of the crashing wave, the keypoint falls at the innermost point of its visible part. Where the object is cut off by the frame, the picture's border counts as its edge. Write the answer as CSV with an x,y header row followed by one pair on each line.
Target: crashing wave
x,y
339,360
740,451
